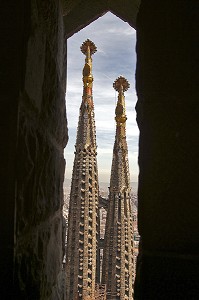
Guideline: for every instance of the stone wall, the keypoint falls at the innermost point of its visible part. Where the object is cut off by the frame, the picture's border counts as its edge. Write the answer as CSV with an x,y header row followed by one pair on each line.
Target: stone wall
x,y
42,135
168,117
79,13
13,40
33,135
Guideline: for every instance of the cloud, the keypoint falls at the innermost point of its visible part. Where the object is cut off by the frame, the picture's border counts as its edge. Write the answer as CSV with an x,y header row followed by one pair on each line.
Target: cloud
x,y
104,151
115,41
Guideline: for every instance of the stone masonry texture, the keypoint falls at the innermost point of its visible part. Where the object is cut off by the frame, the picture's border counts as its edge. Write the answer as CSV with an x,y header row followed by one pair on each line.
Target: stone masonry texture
x,y
33,135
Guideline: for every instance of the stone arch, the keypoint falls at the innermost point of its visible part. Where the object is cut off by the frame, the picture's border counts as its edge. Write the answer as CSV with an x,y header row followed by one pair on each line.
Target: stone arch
x,y
81,13
167,87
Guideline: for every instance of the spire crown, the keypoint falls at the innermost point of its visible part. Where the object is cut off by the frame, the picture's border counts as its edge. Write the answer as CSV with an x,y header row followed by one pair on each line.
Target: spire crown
x,y
88,46
121,85
121,82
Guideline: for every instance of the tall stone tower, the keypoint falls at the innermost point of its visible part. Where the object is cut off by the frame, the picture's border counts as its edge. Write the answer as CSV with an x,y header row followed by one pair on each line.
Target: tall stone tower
x,y
83,209
117,271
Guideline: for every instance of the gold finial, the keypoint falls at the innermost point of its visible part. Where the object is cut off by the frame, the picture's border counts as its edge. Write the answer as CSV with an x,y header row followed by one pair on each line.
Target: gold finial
x,y
121,82
121,85
88,46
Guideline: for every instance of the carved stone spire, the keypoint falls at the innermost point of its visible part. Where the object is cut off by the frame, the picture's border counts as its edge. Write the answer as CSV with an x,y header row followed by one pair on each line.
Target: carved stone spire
x,y
117,271
83,209
86,136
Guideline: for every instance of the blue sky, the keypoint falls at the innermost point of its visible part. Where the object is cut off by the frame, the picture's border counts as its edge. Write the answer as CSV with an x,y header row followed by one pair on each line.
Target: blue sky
x,y
115,56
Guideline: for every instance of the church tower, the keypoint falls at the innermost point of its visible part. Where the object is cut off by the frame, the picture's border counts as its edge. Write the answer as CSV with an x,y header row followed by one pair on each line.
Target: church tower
x,y
83,208
117,271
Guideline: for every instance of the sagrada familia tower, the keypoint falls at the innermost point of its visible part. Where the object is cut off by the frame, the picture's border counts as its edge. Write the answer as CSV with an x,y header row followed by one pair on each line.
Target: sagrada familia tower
x,y
82,260
117,271
83,231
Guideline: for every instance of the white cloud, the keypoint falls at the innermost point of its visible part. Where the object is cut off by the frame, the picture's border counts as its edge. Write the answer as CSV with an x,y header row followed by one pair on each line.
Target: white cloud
x,y
104,151
121,31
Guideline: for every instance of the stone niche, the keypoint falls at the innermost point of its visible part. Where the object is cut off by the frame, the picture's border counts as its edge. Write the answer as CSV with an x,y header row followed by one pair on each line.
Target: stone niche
x,y
41,138
34,134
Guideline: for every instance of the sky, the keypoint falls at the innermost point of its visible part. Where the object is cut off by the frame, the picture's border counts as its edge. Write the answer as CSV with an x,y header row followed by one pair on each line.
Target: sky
x,y
115,56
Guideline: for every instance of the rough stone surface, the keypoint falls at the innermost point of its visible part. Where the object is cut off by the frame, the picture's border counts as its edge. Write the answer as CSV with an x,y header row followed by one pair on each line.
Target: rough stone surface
x,y
80,13
33,134
13,37
42,136
168,117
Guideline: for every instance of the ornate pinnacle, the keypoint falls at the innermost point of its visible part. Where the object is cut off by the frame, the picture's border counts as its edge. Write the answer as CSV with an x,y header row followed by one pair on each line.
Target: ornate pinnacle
x,y
88,48
121,82
88,45
121,85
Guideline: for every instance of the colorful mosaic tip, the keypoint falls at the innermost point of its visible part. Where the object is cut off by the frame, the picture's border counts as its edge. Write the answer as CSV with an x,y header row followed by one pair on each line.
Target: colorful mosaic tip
x,y
90,44
121,81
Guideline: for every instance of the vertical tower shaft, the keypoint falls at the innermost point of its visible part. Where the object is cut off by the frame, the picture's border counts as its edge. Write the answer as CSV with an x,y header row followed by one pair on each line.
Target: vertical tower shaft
x,y
117,272
83,208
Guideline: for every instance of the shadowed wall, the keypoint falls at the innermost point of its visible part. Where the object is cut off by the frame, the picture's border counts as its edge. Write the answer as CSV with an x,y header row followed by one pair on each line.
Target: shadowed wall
x,y
168,117
33,135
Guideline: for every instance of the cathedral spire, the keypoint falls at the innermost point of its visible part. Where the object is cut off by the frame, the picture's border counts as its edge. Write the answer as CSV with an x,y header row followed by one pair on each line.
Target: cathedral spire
x,y
117,270
86,128
82,240
88,48
121,85
120,178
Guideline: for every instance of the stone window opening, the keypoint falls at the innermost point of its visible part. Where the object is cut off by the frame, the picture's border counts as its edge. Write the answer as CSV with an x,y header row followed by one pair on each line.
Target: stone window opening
x,y
34,134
